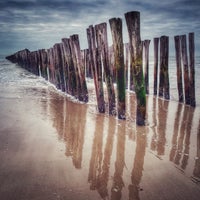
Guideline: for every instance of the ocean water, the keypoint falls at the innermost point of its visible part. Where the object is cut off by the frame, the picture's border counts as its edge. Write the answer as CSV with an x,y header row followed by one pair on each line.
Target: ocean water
x,y
53,147
10,75
173,78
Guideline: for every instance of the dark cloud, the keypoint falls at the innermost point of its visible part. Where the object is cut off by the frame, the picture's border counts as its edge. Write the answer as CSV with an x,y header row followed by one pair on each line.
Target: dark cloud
x,y
41,23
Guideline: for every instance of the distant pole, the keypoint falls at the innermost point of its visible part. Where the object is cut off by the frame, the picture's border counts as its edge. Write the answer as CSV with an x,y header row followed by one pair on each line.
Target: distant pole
x,y
50,53
133,25
146,58
164,76
185,67
192,69
126,45
117,37
43,62
179,68
64,67
58,67
156,43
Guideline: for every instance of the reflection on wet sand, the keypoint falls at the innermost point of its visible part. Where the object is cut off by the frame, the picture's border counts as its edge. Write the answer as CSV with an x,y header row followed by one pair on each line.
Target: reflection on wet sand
x,y
136,174
196,172
74,133
181,137
118,183
176,131
99,162
160,111
69,119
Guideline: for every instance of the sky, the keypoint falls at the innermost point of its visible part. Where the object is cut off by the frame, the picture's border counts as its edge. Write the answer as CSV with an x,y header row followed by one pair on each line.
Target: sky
x,y
37,24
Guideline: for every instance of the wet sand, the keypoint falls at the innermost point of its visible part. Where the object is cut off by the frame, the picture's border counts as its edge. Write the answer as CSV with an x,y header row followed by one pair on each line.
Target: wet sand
x,y
52,148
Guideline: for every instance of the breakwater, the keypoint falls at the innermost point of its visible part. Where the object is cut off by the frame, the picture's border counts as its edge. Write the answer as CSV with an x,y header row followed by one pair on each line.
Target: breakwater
x,y
67,66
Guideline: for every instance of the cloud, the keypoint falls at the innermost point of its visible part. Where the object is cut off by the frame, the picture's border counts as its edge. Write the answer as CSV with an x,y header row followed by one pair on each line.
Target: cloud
x,y
41,23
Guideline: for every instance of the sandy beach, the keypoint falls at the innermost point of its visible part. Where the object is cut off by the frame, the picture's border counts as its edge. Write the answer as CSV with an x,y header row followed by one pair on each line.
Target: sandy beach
x,y
54,148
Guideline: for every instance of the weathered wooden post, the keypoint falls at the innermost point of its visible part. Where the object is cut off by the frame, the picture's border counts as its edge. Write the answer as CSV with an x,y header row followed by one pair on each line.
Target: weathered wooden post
x,y
96,73
133,24
58,67
117,37
179,68
25,56
111,62
156,43
164,75
127,53
146,59
71,81
192,69
102,44
64,67
185,66
87,63
52,76
34,67
43,62
74,60
77,60
39,62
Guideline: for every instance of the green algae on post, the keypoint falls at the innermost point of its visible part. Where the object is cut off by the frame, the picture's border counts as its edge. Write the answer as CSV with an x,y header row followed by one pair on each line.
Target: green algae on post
x,y
133,25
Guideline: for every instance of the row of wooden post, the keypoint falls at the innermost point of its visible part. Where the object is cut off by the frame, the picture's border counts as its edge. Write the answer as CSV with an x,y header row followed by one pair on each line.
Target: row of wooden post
x,y
185,79
63,65
66,66
188,76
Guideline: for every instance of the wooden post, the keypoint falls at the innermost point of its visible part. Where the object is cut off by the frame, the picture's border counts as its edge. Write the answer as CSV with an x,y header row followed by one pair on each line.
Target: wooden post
x,y
58,67
164,76
192,69
116,30
126,64
185,66
156,43
179,68
133,24
52,76
96,73
80,76
77,77
34,67
87,63
71,75
146,59
25,56
102,43
64,67
111,63
43,62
